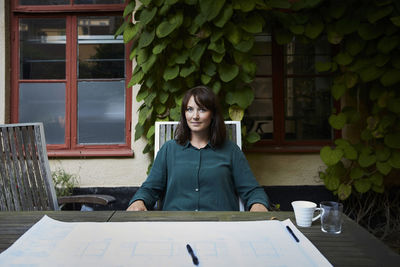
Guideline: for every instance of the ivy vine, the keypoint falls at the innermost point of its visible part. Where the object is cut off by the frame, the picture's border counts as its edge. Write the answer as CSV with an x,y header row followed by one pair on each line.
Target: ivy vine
x,y
178,44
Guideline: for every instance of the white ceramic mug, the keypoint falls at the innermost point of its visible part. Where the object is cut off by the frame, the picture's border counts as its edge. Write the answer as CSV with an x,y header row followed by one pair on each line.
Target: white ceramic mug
x,y
304,212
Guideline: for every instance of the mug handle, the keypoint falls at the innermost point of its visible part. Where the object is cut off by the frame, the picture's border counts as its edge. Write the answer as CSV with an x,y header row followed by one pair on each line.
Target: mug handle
x,y
318,216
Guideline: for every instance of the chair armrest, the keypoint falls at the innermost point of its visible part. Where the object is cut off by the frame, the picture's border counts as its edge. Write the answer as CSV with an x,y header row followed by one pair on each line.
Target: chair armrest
x,y
87,199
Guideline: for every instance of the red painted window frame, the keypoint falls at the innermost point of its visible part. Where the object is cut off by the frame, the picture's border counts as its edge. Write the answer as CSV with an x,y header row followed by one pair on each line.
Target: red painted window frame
x,y
278,143
70,13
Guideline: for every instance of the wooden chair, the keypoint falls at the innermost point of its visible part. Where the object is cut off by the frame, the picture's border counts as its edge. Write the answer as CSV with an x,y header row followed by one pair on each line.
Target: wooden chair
x,y
164,131
25,178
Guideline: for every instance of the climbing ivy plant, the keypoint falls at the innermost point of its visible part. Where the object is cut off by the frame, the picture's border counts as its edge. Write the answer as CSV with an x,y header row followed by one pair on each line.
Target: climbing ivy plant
x,y
178,44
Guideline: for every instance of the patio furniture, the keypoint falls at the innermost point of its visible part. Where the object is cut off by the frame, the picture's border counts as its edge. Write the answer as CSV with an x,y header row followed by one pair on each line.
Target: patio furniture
x,y
25,177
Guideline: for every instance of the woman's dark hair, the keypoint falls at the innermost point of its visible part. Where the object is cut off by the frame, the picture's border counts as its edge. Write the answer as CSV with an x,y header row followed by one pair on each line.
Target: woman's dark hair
x,y
205,98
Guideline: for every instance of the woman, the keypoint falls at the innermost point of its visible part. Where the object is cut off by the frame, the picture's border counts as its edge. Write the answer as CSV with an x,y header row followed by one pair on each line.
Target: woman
x,y
200,169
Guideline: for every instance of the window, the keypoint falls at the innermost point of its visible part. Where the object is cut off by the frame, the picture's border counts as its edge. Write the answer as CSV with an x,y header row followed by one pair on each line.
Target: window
x,y
70,73
292,101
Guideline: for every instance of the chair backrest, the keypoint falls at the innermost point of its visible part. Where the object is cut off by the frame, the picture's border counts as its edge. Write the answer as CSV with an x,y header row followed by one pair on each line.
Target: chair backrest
x,y
164,131
25,177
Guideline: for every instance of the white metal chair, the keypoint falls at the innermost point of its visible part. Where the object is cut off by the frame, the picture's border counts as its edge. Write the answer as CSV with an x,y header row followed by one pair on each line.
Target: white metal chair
x,y
164,131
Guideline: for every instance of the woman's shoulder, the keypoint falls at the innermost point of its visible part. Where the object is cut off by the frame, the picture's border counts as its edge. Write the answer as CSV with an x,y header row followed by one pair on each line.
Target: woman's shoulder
x,y
230,145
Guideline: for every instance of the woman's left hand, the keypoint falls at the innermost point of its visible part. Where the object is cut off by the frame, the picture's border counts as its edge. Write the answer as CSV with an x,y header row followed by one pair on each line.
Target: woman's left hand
x,y
257,207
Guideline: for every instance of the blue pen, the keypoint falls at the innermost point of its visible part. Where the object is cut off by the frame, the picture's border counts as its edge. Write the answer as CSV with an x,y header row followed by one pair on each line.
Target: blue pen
x,y
291,232
194,258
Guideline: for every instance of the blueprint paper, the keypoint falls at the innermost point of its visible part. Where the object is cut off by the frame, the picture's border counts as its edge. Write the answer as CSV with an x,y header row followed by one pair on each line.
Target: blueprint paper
x,y
247,243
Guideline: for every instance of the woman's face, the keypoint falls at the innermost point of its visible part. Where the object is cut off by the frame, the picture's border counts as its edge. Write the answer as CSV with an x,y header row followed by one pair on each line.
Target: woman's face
x,y
198,118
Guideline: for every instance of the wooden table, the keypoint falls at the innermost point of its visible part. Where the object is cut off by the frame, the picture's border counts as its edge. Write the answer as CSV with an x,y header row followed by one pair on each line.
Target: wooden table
x,y
353,247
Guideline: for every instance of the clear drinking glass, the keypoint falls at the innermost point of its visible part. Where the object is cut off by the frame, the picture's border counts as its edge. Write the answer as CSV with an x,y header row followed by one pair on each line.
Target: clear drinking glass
x,y
331,217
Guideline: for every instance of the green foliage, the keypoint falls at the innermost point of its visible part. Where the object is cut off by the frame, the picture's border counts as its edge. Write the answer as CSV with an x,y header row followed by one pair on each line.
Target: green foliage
x,y
64,182
180,44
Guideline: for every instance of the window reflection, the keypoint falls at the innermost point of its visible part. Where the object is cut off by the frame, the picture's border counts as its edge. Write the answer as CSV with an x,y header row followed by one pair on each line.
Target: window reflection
x,y
44,102
43,2
42,48
100,55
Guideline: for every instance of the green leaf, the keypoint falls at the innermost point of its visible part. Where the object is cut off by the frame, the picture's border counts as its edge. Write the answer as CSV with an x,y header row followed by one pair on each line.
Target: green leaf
x,y
244,6
130,32
253,24
370,73
236,113
384,167
378,189
396,20
297,29
334,37
354,45
216,87
253,137
164,29
338,121
376,179
394,105
129,8
379,13
149,63
392,140
331,156
211,8
344,191
187,70
369,31
139,130
232,33
356,173
390,77
218,46
343,58
395,159
224,16
350,152
332,182
383,153
150,98
136,78
351,79
205,79
142,95
314,28
362,185
147,15
365,160
382,59
245,45
217,58
163,96
160,47
197,52
160,109
388,43
338,90
171,72
250,67
210,68
337,9
150,132
323,66
243,97
227,72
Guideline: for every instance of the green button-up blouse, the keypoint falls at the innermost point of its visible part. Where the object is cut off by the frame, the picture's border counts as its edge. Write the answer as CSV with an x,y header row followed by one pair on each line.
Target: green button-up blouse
x,y
207,179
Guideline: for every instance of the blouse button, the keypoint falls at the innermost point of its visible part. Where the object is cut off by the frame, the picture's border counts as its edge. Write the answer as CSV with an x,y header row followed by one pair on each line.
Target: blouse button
x,y
197,190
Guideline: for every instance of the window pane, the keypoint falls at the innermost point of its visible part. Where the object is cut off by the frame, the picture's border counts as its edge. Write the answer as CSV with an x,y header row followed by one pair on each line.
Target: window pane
x,y
43,2
101,112
100,55
307,108
91,2
42,48
262,52
44,102
301,58
259,116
